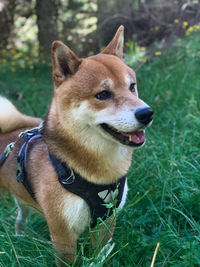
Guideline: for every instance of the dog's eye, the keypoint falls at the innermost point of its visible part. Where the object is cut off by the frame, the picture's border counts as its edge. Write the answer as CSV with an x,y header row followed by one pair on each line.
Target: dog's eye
x,y
132,87
103,95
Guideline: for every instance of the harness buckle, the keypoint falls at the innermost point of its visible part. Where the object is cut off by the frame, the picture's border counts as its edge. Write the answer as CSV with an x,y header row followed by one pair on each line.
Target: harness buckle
x,y
6,153
68,180
8,149
31,132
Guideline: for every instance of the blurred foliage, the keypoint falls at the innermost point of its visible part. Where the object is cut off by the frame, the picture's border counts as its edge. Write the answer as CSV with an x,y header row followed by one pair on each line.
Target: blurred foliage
x,y
74,21
87,25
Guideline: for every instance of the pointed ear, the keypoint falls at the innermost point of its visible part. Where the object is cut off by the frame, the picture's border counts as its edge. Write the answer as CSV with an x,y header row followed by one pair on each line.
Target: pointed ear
x,y
64,62
115,47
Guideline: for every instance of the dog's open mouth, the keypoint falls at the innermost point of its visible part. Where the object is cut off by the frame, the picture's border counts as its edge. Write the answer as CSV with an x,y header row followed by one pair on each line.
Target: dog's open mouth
x,y
136,138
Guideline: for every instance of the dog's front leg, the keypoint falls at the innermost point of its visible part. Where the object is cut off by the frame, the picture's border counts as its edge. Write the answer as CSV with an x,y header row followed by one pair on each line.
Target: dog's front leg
x,y
64,241
65,252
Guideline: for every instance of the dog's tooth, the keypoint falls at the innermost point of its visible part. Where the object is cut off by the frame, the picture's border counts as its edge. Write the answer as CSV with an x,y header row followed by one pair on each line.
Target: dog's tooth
x,y
129,137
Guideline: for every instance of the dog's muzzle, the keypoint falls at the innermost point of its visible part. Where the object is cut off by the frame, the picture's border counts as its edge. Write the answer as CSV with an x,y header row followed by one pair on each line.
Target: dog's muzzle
x,y
135,138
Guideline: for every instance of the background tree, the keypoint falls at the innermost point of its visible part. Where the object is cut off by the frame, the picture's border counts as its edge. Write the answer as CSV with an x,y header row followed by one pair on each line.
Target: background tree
x,y
7,11
87,25
46,11
111,14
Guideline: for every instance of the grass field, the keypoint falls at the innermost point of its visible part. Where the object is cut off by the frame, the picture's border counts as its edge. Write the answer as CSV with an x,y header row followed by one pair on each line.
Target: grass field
x,y
164,181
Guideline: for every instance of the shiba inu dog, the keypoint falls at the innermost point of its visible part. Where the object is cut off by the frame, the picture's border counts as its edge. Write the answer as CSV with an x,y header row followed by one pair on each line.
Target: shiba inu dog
x,y
94,122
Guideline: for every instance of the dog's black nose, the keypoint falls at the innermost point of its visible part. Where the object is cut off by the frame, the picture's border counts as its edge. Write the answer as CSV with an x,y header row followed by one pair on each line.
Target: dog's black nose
x,y
144,115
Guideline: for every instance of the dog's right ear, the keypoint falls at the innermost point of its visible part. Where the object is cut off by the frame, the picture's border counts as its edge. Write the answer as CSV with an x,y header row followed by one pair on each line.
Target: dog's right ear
x,y
64,62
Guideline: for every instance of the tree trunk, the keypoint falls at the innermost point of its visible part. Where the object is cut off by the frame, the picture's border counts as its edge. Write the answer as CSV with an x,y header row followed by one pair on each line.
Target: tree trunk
x,y
111,14
7,9
46,11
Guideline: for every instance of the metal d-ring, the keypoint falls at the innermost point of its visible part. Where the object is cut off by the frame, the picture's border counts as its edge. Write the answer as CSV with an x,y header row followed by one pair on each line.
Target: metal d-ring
x,y
68,180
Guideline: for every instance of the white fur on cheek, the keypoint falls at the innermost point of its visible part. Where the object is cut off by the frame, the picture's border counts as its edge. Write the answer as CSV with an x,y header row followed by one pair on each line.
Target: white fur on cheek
x,y
83,126
123,120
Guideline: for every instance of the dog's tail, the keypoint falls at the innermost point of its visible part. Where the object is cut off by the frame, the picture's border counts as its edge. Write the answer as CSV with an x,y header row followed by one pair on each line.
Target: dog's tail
x,y
11,119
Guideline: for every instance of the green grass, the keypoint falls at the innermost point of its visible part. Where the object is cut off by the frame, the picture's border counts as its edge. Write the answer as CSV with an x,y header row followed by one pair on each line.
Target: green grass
x,y
164,180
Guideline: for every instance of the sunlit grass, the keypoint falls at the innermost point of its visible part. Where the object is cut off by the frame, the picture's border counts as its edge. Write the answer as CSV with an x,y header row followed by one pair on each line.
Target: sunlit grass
x,y
164,180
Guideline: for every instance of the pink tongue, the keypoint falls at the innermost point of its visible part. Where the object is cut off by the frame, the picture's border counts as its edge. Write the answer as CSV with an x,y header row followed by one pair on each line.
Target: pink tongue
x,y
137,137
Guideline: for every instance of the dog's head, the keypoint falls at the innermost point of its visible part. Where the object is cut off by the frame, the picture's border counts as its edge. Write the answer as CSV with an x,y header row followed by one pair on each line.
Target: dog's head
x,y
96,98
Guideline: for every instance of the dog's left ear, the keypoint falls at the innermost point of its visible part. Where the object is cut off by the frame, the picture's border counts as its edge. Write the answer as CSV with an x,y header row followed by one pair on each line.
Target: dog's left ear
x,y
64,62
115,47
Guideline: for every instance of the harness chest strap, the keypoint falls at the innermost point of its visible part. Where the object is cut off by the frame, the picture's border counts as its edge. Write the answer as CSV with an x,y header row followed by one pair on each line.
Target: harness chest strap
x,y
90,192
70,180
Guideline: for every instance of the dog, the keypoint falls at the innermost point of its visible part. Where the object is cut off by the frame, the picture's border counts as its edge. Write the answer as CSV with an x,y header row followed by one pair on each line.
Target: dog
x,y
94,123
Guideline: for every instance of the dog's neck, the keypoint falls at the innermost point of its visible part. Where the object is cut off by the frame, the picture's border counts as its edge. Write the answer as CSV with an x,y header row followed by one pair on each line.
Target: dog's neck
x,y
104,164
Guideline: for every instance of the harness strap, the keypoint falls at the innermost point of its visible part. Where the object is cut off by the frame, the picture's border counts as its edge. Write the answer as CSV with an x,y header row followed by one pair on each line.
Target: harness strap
x,y
6,153
21,174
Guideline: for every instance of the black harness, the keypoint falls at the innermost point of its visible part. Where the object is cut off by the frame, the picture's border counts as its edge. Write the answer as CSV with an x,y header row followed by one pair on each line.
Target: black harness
x,y
95,195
